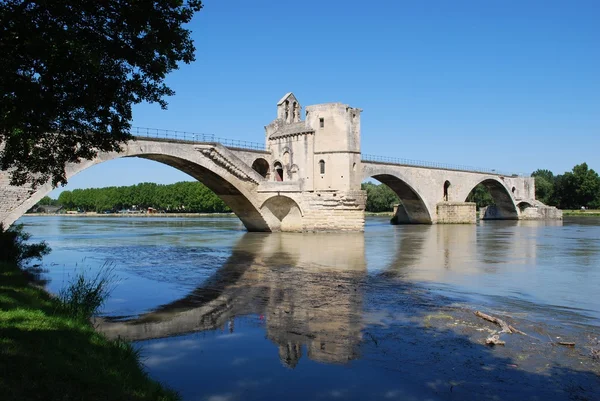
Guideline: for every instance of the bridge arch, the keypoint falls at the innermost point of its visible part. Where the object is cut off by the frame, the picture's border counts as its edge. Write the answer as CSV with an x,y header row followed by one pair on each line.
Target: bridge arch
x,y
523,205
286,212
505,207
417,211
205,164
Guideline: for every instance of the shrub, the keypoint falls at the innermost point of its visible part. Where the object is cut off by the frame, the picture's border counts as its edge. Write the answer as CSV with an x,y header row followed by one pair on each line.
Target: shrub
x,y
84,296
15,249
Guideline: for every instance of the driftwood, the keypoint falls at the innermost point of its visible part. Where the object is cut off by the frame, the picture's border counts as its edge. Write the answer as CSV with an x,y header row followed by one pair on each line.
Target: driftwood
x,y
494,340
506,328
566,343
513,330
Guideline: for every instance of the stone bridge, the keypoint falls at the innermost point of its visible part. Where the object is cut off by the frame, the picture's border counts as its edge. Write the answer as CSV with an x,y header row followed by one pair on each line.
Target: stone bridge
x,y
308,176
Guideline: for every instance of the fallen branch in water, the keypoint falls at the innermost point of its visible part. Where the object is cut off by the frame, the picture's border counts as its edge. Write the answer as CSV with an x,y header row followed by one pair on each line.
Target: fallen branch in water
x,y
566,343
513,330
506,328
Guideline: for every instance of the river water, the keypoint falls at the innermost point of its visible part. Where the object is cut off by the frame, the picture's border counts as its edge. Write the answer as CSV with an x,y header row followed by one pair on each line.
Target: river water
x,y
221,315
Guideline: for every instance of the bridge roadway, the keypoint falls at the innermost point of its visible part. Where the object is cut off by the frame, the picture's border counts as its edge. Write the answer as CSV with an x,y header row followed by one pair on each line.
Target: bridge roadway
x,y
245,178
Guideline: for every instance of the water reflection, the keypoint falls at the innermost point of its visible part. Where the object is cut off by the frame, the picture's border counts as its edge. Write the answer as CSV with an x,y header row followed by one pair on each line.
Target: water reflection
x,y
307,288
394,306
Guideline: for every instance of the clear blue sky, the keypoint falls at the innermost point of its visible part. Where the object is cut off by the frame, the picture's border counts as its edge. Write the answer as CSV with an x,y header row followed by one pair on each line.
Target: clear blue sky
x,y
511,85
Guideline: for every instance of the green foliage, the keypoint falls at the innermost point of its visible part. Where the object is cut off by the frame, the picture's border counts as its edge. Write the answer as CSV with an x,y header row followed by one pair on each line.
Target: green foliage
x,y
192,197
83,296
47,201
481,196
543,173
48,355
544,190
571,190
380,198
15,249
71,71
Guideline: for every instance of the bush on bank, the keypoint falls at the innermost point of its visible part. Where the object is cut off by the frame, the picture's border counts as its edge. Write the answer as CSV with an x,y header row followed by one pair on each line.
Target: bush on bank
x,y
48,348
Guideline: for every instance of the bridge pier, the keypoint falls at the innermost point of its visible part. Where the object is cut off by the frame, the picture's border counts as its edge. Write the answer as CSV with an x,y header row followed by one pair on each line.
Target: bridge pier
x,y
456,213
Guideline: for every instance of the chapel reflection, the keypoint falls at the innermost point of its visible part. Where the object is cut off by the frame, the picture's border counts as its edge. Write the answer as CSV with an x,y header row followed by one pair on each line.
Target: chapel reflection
x,y
305,287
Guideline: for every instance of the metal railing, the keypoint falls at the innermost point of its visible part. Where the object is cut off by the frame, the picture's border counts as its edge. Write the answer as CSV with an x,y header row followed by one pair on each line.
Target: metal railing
x,y
435,165
193,137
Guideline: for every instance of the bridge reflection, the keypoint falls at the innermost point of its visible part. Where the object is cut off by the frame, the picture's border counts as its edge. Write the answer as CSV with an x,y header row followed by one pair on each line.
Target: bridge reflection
x,y
306,287
310,290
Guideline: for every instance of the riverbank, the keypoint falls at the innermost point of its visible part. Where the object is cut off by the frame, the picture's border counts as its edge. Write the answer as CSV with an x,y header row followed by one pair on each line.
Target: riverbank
x,y
582,213
48,355
94,214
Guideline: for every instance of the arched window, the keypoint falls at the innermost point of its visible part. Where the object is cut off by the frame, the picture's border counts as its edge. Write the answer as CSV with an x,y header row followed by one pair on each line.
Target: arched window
x,y
261,166
278,171
322,166
446,186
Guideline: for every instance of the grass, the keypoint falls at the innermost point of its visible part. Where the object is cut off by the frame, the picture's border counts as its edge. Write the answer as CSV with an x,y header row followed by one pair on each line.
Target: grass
x,y
582,213
48,353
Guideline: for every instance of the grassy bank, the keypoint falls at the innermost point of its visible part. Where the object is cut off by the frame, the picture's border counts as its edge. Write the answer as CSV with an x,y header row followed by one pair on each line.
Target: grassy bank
x,y
45,354
582,213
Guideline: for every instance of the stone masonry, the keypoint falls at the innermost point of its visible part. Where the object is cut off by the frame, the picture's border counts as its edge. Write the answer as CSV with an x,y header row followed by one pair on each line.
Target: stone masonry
x,y
309,177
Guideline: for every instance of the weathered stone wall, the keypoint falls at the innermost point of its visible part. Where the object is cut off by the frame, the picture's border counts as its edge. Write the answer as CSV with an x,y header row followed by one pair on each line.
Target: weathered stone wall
x,y
11,198
334,211
456,213
541,212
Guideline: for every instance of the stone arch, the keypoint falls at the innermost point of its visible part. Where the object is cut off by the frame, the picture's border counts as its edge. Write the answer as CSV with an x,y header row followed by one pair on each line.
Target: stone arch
x,y
505,208
261,166
284,212
415,210
206,165
523,205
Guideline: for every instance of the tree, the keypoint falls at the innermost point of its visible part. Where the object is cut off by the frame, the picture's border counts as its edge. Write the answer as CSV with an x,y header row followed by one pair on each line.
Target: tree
x,y
587,183
544,173
481,196
544,185
380,198
70,72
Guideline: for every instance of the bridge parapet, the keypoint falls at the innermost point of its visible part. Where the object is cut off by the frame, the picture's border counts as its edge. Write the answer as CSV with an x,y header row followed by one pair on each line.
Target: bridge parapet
x,y
435,165
193,137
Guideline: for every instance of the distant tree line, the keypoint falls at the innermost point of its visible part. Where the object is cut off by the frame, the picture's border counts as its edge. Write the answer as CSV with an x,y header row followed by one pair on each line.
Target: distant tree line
x,y
571,190
192,197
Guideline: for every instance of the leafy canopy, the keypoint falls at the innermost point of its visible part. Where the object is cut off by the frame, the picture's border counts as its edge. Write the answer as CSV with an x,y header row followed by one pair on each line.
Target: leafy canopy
x,y
71,70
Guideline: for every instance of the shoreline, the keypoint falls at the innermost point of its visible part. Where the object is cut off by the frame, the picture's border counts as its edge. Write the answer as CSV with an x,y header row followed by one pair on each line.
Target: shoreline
x,y
94,214
49,354
566,213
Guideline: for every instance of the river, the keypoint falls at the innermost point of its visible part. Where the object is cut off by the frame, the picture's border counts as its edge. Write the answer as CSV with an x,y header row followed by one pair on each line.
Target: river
x,y
222,315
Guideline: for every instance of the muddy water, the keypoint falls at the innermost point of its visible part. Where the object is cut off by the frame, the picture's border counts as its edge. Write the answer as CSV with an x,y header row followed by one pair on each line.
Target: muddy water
x,y
223,315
